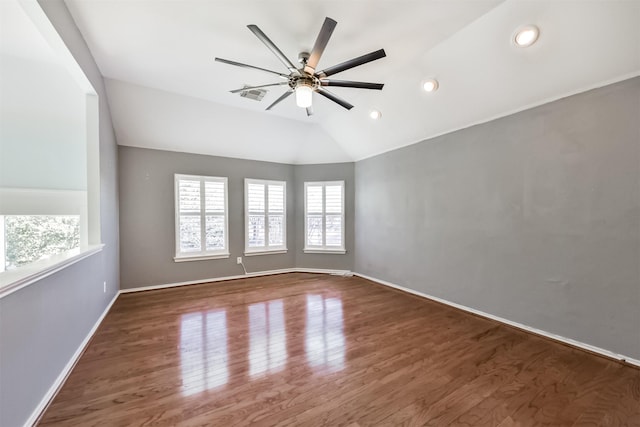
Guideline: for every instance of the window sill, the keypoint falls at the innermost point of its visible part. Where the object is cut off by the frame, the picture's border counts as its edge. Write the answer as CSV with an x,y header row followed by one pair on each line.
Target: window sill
x,y
13,280
200,257
325,251
265,252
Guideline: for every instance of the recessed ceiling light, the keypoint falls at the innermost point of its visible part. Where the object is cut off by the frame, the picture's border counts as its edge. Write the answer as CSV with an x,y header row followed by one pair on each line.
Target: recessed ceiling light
x,y
375,114
430,85
526,36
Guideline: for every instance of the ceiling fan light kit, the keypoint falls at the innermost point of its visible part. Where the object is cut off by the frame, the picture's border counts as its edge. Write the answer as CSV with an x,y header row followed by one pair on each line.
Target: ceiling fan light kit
x,y
304,81
304,91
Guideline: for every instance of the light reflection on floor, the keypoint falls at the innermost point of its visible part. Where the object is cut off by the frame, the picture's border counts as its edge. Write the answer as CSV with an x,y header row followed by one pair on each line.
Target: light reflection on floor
x,y
267,338
203,351
204,342
324,335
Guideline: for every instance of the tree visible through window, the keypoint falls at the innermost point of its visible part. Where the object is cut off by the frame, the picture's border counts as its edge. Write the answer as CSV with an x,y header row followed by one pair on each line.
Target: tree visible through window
x,y
30,238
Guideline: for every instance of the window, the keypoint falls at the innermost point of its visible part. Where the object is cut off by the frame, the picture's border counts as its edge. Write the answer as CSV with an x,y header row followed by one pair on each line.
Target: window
x,y
26,239
324,217
201,218
41,230
265,216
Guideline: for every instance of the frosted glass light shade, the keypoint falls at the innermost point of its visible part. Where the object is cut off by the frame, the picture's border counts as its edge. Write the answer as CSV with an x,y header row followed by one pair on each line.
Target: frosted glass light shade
x,y
303,96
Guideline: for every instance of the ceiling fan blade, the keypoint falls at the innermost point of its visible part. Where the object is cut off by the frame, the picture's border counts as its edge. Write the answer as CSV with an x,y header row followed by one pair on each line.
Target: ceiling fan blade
x,y
334,98
240,64
347,83
277,101
321,43
258,87
309,111
277,52
355,62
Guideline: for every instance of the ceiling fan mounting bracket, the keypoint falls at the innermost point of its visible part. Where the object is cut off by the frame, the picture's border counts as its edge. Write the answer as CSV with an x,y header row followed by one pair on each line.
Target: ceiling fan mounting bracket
x,y
303,57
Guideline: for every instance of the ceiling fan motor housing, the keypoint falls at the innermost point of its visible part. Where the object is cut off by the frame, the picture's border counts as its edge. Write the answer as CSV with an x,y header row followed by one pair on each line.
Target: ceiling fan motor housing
x,y
305,80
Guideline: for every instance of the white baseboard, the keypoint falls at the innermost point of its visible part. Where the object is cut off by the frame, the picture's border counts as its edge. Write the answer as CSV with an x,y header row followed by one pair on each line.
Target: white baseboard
x,y
240,276
57,384
324,271
526,328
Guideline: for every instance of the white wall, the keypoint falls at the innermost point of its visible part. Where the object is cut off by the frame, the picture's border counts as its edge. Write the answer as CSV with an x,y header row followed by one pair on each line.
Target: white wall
x,y
42,111
42,127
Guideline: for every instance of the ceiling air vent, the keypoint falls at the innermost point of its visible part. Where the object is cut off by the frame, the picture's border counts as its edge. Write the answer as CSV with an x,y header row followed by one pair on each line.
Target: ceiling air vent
x,y
255,94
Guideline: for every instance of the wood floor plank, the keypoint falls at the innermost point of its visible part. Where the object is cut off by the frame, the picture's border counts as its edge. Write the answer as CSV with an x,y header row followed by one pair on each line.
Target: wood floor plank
x,y
308,349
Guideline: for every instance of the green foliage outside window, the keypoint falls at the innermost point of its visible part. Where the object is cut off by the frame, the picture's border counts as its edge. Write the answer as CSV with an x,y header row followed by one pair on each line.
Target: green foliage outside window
x,y
29,238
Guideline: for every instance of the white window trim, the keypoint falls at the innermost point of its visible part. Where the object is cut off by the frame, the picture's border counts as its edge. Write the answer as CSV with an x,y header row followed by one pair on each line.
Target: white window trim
x,y
204,254
309,249
264,250
325,251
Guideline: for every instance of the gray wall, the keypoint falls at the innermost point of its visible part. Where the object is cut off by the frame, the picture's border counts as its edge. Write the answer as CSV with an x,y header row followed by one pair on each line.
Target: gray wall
x,y
326,172
534,217
42,325
147,215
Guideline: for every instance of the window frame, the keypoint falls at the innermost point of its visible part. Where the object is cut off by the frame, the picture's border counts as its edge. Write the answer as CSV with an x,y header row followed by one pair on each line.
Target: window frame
x,y
203,254
264,250
324,249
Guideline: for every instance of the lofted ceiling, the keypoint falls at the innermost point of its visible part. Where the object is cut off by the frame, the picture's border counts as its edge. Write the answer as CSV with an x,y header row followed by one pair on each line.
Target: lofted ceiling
x,y
166,91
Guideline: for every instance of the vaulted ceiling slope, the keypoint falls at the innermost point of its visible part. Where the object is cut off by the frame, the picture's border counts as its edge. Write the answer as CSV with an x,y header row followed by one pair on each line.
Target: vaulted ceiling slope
x,y
166,91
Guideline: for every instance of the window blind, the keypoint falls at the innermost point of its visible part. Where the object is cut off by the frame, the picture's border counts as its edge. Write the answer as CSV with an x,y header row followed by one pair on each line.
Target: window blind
x,y
265,216
324,216
201,216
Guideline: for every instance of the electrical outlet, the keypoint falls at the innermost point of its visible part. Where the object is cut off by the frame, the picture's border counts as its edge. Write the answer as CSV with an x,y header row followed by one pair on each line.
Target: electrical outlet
x,y
104,287
239,260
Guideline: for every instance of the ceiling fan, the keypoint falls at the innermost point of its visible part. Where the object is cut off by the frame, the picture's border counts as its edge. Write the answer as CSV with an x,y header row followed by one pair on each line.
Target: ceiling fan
x,y
306,80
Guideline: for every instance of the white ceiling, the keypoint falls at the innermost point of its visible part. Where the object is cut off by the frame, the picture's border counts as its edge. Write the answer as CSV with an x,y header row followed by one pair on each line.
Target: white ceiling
x,y
20,38
166,91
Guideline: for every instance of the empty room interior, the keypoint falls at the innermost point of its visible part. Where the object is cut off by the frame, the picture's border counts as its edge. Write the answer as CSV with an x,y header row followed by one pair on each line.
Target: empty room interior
x,y
334,213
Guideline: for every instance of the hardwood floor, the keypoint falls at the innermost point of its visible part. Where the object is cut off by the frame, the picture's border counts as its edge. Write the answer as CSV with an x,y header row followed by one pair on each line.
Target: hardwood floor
x,y
305,349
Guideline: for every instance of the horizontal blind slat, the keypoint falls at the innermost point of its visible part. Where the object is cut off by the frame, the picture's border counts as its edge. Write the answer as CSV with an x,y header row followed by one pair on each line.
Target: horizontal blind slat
x,y
314,230
314,199
255,197
276,230
276,198
333,231
255,231
333,198
189,195
214,196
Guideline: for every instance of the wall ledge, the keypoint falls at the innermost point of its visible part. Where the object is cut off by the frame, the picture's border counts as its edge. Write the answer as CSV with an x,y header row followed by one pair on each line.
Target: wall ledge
x,y
14,280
